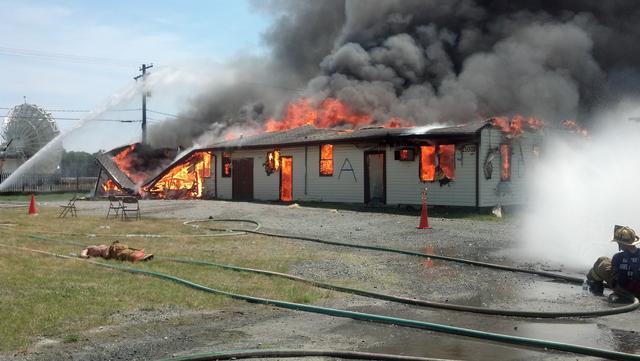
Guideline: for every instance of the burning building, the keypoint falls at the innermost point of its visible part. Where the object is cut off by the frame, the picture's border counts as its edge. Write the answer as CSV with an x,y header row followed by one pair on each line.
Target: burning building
x,y
480,164
123,170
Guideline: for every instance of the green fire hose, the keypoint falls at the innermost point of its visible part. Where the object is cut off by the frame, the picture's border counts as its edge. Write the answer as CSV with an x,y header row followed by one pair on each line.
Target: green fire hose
x,y
271,353
516,340
405,300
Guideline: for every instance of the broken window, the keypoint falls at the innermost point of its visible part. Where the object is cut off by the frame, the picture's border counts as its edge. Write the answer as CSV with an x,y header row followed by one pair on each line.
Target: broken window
x,y
427,163
405,154
226,164
444,170
206,158
505,162
447,160
272,162
326,160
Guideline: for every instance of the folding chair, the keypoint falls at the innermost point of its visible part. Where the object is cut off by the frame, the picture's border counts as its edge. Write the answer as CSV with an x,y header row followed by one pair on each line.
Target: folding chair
x,y
130,205
69,208
115,205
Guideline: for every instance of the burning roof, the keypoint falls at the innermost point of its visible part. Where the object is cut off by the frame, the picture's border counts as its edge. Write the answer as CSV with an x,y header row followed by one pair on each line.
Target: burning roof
x,y
114,173
128,167
310,135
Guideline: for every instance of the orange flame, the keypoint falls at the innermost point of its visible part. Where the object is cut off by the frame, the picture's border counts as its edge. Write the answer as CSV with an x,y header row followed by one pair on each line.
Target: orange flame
x,y
398,123
326,159
111,187
184,180
427,163
515,127
286,186
329,113
505,165
573,127
273,161
447,160
226,164
124,160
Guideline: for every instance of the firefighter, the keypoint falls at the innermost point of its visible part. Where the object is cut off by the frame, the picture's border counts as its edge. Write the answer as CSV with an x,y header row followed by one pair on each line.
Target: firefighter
x,y
117,251
622,273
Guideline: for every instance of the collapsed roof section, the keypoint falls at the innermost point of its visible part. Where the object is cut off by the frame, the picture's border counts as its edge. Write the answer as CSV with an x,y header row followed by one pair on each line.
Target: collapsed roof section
x,y
113,173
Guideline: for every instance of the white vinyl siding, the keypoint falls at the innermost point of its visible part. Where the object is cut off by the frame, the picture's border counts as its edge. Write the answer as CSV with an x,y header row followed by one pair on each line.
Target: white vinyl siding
x,y
402,180
404,185
495,192
224,183
343,186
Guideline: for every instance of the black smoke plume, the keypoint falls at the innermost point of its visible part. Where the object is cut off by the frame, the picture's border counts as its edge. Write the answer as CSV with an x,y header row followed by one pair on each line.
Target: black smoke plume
x,y
427,61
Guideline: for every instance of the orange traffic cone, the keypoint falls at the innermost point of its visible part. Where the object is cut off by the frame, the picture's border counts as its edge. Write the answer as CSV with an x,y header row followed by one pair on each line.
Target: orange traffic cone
x,y
424,219
32,206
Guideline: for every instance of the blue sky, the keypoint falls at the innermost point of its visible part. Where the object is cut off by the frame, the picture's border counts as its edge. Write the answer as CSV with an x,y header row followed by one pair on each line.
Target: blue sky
x,y
108,40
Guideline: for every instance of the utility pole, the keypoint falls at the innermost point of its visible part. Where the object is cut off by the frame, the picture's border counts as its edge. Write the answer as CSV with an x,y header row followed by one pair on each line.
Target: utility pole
x,y
143,69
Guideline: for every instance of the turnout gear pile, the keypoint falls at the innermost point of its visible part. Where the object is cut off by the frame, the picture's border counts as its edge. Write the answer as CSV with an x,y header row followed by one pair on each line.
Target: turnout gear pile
x,y
116,251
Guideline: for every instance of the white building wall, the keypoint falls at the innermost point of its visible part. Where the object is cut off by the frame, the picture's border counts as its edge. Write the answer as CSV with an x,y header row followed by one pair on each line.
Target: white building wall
x,y
495,192
224,184
345,185
404,185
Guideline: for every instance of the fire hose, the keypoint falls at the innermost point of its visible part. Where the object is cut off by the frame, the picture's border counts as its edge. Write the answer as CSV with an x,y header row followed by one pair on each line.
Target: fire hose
x,y
243,354
404,300
516,340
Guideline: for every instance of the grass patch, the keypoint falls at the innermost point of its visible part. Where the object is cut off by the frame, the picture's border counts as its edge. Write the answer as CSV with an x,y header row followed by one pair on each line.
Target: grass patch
x,y
57,298
70,338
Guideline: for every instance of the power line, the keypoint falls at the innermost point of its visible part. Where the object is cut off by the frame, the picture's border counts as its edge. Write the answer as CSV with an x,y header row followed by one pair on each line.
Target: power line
x,y
64,58
90,120
161,113
81,110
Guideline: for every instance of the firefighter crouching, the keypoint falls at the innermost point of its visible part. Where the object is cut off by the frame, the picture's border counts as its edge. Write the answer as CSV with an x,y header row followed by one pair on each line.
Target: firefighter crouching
x,y
622,272
117,251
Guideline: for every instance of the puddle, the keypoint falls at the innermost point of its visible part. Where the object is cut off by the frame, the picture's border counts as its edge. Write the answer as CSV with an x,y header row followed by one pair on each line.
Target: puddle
x,y
397,340
497,289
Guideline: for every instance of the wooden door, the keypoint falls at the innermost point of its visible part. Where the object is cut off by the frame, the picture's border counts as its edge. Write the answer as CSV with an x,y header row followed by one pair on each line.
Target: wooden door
x,y
375,182
242,179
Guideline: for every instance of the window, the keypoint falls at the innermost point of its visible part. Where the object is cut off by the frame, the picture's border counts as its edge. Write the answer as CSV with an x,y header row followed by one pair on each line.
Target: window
x,y
427,163
226,164
445,169
326,160
206,170
505,162
405,155
272,162
447,160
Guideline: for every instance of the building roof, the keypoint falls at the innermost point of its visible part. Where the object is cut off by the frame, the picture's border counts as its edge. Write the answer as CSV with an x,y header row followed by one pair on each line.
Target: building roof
x,y
311,135
112,170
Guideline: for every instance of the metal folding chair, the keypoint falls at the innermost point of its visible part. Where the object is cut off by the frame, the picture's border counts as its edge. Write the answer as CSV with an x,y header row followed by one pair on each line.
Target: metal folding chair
x,y
69,208
130,205
114,205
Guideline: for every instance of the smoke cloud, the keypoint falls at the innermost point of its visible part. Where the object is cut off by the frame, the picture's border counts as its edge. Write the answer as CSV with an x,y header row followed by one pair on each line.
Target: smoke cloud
x,y
425,61
582,188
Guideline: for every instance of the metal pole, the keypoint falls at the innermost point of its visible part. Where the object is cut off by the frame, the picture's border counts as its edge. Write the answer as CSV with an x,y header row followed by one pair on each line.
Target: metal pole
x,y
143,69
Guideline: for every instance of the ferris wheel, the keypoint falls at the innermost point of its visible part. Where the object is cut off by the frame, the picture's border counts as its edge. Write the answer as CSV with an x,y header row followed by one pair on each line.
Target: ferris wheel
x,y
27,128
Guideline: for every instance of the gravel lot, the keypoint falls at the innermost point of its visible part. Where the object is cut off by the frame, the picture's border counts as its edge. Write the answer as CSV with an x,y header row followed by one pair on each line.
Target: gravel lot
x,y
175,331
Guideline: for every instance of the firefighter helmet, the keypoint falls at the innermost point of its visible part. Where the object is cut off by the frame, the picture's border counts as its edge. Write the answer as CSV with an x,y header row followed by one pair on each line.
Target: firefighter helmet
x,y
625,235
